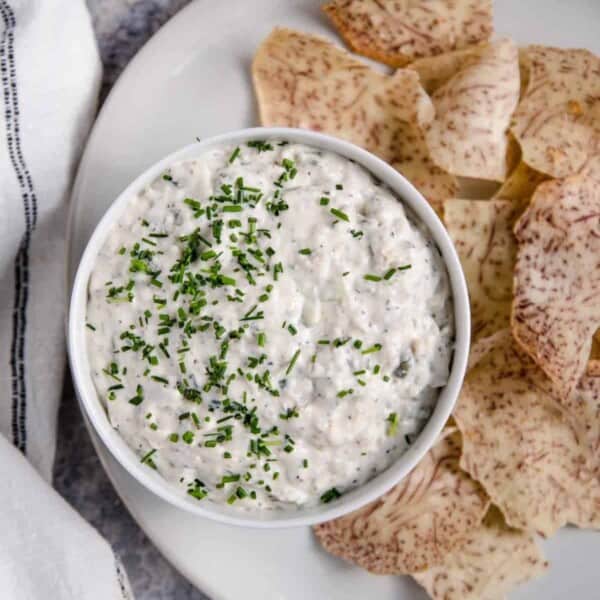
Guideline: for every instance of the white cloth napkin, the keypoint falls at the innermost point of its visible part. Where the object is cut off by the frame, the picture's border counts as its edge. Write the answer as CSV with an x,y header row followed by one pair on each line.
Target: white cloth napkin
x,y
49,80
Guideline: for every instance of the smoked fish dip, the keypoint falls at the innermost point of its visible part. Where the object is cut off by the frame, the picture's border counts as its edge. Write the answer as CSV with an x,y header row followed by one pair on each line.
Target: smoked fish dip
x,y
268,326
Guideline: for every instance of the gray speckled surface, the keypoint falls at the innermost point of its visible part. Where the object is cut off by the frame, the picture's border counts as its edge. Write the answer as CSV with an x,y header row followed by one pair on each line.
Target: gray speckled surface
x,y
122,27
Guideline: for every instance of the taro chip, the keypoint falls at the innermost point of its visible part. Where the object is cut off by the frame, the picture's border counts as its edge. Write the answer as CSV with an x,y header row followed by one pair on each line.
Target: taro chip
x,y
593,366
488,566
305,81
557,122
557,277
582,408
520,444
520,184
435,71
398,32
483,237
468,136
417,523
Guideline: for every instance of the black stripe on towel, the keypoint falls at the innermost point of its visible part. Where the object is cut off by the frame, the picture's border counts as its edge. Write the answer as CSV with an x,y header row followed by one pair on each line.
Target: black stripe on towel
x,y
21,266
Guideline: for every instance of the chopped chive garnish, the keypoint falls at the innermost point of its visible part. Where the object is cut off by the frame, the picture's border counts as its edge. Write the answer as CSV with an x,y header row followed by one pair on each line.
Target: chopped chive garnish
x,y
290,413
344,393
305,251
261,338
373,348
339,214
392,429
370,277
389,274
90,326
139,396
324,342
292,362
159,379
292,329
146,456
324,201
339,186
260,145
330,495
207,255
234,154
252,316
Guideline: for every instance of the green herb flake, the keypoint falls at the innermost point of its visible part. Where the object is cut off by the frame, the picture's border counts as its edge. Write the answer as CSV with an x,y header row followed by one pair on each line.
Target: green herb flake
x,y
372,349
292,362
260,145
139,396
290,413
188,437
339,214
329,495
234,155
392,420
147,456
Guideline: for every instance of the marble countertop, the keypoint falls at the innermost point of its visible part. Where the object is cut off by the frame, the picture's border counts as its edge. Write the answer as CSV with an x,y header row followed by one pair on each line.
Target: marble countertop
x,y
122,27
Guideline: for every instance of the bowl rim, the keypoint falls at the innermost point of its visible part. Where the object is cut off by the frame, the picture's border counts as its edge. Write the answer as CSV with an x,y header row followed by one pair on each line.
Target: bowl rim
x,y
352,500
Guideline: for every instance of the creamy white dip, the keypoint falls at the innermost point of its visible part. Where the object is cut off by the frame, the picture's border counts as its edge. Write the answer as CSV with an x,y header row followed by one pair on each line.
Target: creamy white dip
x,y
267,326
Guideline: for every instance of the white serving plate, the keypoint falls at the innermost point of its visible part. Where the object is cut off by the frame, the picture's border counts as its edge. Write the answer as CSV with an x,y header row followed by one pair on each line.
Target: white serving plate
x,y
192,79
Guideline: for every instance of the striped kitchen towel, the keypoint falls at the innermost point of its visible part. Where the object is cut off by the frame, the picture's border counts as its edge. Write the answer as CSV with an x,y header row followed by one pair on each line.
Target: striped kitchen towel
x,y
49,81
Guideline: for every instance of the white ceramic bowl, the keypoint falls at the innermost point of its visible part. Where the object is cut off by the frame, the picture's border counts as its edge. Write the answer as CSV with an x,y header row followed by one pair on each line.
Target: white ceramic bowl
x,y
350,501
